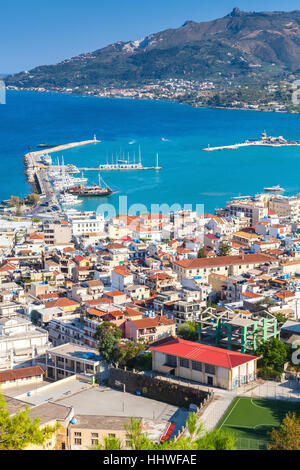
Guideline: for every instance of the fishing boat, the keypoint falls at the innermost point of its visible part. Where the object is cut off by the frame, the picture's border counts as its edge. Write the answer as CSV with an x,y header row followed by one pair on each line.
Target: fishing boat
x,y
100,189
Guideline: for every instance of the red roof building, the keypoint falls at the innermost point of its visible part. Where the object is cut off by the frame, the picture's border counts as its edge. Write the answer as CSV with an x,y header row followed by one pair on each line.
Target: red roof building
x,y
203,363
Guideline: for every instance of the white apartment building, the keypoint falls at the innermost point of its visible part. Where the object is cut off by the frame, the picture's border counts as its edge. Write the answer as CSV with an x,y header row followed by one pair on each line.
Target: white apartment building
x,y
253,209
67,329
57,233
20,342
286,206
86,222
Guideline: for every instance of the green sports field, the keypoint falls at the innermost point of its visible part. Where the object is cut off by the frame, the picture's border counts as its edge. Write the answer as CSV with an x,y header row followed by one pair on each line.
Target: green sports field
x,y
251,419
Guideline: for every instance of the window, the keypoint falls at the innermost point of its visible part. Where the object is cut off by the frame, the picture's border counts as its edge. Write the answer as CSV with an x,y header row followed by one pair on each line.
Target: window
x,y
77,433
210,369
184,362
111,435
77,441
94,434
95,442
171,361
197,365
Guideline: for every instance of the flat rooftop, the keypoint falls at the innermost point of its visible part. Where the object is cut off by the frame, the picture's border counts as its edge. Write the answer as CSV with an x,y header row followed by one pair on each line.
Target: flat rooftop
x,y
57,391
49,411
241,322
101,422
98,402
13,405
105,401
73,351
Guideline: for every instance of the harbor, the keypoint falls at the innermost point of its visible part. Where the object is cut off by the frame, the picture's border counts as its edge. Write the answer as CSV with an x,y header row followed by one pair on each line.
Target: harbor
x,y
55,180
265,141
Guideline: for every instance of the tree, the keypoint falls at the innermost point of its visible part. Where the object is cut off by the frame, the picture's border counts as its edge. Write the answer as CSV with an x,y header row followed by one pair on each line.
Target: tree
x,y
201,253
280,317
109,335
265,303
274,354
128,351
110,443
287,437
138,440
224,249
35,316
18,431
195,438
33,199
143,361
218,439
14,201
188,331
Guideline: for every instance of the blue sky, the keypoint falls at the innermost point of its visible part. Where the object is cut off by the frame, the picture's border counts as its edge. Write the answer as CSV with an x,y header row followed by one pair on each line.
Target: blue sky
x,y
35,32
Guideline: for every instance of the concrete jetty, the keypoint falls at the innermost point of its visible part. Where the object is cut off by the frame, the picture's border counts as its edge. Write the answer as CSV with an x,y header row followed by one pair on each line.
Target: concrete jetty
x,y
249,144
116,167
264,141
59,148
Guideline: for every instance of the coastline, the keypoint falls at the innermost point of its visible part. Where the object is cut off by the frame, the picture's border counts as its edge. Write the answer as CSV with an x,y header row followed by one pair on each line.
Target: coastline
x,y
88,95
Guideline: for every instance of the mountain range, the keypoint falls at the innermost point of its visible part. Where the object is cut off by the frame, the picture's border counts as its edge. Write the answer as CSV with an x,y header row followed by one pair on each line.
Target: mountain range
x,y
242,46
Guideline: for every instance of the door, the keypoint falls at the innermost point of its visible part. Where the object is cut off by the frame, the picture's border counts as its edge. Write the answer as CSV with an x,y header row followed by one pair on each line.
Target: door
x,y
210,380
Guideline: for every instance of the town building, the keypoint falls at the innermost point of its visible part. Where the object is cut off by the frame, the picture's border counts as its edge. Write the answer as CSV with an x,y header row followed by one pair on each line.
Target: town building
x,y
202,363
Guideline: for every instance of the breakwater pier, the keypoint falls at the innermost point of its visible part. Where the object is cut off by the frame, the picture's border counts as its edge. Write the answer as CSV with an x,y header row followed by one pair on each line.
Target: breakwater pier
x,y
265,141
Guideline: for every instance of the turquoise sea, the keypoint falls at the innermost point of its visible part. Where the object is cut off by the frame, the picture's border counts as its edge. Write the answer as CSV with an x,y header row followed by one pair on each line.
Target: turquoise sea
x,y
189,175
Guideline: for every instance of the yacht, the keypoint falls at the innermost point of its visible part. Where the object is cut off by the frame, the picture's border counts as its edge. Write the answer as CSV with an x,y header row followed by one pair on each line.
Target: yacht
x,y
67,199
274,188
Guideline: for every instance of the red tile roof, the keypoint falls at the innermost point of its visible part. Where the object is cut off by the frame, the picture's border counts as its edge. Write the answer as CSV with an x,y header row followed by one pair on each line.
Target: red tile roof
x,y
224,261
132,312
96,312
114,293
284,294
152,322
160,276
51,295
251,295
62,302
202,353
15,374
122,270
